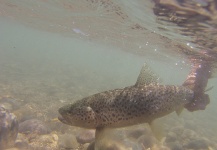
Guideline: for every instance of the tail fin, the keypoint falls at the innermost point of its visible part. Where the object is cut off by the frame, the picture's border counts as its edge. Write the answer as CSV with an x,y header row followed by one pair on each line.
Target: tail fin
x,y
197,81
198,103
198,78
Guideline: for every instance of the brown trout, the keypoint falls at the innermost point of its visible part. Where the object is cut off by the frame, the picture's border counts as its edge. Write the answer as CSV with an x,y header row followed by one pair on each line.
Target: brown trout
x,y
143,102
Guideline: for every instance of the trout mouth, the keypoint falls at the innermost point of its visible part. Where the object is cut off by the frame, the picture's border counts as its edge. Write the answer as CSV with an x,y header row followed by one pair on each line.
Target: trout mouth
x,y
63,120
60,117
63,115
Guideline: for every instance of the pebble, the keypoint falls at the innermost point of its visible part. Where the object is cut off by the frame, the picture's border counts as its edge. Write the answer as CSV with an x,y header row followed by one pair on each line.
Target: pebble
x,y
178,130
175,146
158,147
67,141
25,112
196,144
86,136
136,133
44,142
8,128
14,104
188,134
147,141
180,138
190,124
85,146
108,144
132,144
33,126
171,137
7,106
21,144
112,146
21,141
91,146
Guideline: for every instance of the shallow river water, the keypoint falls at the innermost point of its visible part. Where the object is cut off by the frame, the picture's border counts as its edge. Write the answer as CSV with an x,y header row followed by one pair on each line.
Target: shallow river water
x,y
53,53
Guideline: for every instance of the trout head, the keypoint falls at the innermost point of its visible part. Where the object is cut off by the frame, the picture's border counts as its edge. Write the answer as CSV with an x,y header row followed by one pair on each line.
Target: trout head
x,y
80,116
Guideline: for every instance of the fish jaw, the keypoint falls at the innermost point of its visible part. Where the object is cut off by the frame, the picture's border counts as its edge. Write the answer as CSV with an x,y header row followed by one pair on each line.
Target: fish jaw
x,y
64,115
60,118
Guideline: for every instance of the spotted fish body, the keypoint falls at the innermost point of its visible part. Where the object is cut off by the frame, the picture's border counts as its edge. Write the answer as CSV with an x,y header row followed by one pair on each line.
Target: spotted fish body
x,y
141,103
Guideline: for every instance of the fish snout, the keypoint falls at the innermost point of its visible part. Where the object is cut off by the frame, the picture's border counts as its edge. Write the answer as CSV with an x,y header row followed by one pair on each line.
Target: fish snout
x,y
63,114
62,119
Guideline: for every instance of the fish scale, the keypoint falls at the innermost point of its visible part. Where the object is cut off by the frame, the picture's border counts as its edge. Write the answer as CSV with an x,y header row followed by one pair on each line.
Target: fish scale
x,y
143,102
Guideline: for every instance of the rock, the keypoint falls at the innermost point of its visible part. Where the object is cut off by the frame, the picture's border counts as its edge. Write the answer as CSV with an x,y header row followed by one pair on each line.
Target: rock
x,y
158,147
8,128
91,146
7,106
25,112
188,134
33,126
175,146
67,141
85,146
21,144
171,137
14,104
86,136
109,144
112,146
147,141
178,130
190,124
116,145
21,141
136,133
196,144
44,142
133,145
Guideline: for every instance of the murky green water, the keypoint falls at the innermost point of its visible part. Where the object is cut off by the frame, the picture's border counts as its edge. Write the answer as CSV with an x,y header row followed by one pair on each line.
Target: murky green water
x,y
55,52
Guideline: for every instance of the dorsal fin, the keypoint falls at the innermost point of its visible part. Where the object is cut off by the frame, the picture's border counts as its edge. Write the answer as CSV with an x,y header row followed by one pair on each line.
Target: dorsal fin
x,y
147,76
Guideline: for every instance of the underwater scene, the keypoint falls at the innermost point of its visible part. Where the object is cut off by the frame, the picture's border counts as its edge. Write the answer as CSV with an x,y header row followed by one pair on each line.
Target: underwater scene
x,y
108,75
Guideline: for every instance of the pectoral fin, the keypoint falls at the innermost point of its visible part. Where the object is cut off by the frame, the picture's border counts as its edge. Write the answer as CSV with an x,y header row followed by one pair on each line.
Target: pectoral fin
x,y
105,139
179,110
157,130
